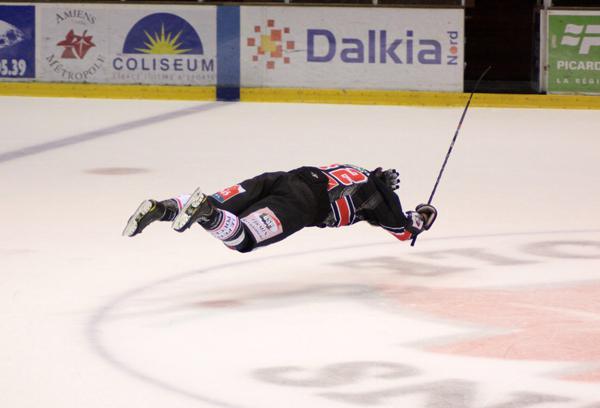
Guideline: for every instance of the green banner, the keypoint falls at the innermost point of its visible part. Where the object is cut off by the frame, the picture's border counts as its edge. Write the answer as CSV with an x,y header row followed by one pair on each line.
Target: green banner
x,y
574,53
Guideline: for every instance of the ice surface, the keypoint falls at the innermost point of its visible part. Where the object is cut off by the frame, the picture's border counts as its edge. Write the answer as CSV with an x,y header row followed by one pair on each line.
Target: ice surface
x,y
497,306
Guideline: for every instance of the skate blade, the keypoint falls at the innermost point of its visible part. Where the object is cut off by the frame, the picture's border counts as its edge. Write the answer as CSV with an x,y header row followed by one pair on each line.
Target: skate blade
x,y
182,220
132,225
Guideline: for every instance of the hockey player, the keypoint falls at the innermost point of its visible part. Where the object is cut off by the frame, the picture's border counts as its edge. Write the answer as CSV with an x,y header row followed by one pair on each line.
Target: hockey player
x,y
272,206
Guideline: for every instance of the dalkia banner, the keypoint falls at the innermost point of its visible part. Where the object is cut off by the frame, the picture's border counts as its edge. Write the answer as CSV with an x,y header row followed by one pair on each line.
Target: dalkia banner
x,y
574,52
325,47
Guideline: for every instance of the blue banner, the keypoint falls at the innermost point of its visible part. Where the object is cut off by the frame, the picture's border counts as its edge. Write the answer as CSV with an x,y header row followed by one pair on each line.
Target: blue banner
x,y
17,41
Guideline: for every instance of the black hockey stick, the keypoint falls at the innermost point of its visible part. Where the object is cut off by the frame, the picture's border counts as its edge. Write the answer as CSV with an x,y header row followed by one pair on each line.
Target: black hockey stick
x,y
452,144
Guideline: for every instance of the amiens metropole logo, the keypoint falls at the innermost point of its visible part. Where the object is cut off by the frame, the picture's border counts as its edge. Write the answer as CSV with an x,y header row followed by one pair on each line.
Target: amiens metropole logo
x,y
163,42
271,44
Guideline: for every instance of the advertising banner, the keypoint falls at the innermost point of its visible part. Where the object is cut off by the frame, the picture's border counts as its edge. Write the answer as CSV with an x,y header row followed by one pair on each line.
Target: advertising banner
x,y
360,48
174,46
74,43
573,52
17,42
128,44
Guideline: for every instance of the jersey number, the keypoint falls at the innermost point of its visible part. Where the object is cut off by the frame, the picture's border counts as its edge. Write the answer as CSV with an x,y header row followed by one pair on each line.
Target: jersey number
x,y
345,176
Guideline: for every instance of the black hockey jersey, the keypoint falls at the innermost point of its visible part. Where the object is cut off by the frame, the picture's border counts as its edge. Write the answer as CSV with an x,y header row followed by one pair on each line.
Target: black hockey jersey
x,y
355,194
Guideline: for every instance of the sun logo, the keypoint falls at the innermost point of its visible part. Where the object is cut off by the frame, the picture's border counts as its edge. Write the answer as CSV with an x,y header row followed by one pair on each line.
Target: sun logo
x,y
163,43
163,34
269,42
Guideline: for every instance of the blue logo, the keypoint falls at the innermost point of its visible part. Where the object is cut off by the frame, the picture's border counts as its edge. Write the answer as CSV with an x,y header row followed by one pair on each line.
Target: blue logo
x,y
163,34
17,42
164,44
380,47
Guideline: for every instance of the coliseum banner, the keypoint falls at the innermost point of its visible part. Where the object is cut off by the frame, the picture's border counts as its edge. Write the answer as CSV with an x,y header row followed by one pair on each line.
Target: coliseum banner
x,y
574,52
127,44
361,48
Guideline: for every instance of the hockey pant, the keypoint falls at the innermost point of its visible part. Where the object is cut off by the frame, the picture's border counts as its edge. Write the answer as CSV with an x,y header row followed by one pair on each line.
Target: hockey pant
x,y
262,210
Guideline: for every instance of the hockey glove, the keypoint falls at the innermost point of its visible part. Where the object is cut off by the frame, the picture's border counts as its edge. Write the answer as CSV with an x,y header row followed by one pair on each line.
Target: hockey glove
x,y
389,177
392,178
429,214
415,224
421,219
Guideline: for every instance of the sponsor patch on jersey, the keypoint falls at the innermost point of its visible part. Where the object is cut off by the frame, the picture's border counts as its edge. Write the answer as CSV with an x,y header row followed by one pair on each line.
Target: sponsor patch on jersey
x,y
263,224
228,193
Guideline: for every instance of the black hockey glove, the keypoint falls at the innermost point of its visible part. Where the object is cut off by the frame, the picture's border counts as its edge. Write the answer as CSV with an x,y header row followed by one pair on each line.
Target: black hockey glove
x,y
421,219
429,213
390,177
415,223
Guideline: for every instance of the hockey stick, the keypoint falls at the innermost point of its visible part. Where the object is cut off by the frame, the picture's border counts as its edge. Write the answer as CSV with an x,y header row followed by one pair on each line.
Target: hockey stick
x,y
452,144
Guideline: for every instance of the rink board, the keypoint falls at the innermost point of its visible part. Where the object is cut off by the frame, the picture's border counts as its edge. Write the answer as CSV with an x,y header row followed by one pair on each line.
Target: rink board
x,y
573,51
352,48
334,96
234,46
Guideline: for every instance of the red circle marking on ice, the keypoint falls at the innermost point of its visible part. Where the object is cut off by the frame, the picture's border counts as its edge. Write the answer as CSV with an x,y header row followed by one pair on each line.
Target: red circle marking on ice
x,y
554,324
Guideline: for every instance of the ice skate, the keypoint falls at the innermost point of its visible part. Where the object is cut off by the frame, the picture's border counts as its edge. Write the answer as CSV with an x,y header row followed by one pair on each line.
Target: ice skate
x,y
147,212
197,207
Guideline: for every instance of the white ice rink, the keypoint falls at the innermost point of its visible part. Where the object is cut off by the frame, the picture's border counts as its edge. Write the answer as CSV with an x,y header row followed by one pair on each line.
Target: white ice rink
x,y
497,306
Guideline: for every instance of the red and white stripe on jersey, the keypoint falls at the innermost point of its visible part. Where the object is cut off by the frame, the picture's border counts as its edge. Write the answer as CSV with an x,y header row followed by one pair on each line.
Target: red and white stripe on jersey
x,y
331,183
344,211
398,232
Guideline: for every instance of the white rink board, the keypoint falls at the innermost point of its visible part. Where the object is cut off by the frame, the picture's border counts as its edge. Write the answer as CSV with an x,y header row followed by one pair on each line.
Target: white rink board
x,y
359,48
104,44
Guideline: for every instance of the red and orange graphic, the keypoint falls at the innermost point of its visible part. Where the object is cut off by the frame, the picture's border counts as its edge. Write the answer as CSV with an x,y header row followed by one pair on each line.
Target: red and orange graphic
x,y
228,193
76,46
270,42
